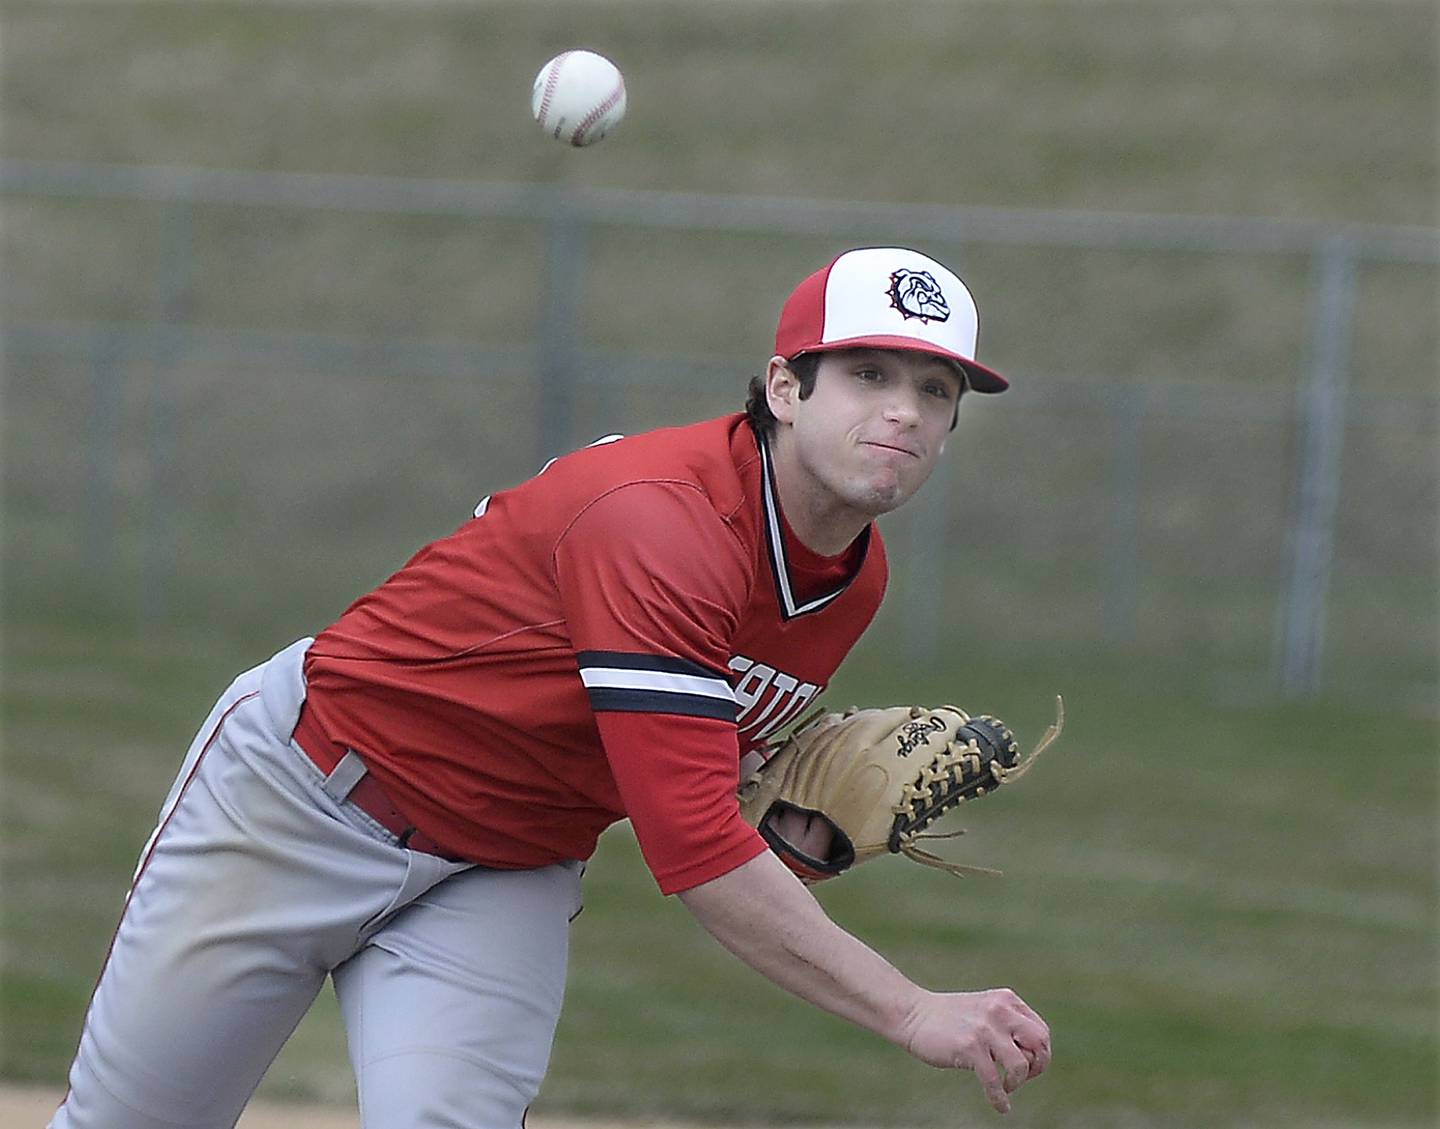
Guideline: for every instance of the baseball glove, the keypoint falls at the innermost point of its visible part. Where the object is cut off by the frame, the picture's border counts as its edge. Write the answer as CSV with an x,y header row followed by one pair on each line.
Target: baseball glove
x,y
879,778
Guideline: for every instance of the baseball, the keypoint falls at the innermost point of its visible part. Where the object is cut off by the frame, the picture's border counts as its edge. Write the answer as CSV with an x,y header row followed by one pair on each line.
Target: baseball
x,y
578,97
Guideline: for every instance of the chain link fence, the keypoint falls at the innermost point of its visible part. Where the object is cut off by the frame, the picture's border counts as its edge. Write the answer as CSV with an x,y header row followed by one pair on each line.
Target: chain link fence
x,y
253,394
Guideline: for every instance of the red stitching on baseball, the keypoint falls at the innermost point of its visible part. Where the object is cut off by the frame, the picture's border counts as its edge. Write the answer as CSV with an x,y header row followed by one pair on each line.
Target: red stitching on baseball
x,y
552,80
598,112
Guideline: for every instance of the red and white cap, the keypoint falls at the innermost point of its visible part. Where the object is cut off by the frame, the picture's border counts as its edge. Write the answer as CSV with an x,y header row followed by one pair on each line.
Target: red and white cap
x,y
886,298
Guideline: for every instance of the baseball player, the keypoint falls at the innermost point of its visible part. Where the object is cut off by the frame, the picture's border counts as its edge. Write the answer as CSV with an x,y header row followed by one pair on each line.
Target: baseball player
x,y
404,803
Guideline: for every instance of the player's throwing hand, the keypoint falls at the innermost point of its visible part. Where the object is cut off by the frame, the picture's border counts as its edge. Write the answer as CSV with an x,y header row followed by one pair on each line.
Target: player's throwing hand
x,y
994,1033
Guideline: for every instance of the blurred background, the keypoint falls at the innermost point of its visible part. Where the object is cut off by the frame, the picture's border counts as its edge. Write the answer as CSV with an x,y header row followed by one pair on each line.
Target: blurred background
x,y
289,286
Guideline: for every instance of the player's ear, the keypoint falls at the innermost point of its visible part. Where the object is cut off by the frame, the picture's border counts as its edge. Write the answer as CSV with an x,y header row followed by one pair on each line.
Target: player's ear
x,y
782,389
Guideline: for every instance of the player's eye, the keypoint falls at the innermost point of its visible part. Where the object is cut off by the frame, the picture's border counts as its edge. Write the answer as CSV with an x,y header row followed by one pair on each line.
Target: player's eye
x,y
939,389
869,373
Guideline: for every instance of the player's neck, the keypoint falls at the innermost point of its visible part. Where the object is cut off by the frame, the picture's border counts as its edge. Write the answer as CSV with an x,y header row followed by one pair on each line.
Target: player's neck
x,y
825,533
821,521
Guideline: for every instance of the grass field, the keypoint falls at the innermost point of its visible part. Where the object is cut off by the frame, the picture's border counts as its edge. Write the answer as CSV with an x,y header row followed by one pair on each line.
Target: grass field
x,y
1226,914
1226,906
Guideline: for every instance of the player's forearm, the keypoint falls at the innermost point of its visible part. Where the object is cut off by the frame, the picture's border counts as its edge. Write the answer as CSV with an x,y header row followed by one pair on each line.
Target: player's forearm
x,y
762,914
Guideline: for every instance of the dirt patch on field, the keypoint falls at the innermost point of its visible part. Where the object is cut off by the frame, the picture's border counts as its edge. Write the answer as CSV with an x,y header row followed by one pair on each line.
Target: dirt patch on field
x,y
30,1107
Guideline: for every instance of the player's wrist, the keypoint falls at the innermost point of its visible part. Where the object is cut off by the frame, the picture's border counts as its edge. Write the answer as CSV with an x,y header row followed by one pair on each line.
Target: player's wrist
x,y
908,1022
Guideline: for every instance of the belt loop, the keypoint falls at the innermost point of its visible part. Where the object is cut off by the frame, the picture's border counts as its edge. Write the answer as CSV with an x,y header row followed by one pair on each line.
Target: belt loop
x,y
343,778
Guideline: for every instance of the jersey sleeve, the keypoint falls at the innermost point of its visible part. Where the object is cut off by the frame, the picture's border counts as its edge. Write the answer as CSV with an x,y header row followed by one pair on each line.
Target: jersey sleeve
x,y
653,582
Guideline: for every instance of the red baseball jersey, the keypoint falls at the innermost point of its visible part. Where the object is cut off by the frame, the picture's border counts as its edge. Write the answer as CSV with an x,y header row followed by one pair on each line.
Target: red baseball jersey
x,y
611,638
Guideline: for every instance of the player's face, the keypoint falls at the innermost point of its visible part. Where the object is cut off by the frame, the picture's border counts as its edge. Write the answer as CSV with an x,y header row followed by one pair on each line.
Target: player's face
x,y
866,439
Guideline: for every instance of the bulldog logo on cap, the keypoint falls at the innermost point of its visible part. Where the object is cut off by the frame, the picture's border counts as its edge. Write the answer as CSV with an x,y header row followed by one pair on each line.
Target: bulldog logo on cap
x,y
916,294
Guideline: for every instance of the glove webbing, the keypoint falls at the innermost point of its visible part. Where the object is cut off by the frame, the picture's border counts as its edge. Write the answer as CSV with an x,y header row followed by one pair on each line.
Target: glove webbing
x,y
949,780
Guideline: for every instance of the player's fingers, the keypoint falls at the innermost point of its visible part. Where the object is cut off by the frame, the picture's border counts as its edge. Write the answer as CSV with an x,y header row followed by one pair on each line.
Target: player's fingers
x,y
1014,1065
1027,1027
1023,1017
1035,1046
989,1075
1025,1009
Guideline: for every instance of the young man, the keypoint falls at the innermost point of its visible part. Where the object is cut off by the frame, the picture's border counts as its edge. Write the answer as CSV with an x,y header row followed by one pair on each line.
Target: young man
x,y
405,802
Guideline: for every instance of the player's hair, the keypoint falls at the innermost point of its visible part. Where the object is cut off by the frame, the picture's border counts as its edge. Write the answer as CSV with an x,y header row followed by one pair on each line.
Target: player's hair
x,y
757,408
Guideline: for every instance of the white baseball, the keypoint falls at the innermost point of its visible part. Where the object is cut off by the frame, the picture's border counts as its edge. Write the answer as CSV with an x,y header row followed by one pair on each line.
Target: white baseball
x,y
578,97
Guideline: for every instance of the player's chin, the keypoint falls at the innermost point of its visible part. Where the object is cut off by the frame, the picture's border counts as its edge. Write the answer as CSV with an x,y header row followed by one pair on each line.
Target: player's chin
x,y
882,494
893,488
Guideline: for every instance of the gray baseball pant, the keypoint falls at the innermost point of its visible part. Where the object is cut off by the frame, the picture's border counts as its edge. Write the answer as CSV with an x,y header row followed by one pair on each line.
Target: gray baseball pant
x,y
258,882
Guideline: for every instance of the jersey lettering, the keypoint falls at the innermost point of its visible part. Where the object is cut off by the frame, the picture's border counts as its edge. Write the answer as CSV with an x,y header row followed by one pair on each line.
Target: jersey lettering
x,y
768,698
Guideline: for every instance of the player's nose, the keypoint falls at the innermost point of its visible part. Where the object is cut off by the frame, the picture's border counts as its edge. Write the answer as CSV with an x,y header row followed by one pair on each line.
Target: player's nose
x,y
902,406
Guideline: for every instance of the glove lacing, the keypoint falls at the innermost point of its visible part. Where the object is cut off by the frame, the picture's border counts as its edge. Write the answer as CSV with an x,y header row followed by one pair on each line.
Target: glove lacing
x,y
942,785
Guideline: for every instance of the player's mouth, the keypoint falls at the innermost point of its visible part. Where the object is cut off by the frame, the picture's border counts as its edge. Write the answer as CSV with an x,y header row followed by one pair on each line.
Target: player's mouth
x,y
890,448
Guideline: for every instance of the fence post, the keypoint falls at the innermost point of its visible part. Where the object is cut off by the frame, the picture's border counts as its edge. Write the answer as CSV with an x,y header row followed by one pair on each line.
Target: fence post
x,y
1122,590
559,330
174,299
1321,407
101,453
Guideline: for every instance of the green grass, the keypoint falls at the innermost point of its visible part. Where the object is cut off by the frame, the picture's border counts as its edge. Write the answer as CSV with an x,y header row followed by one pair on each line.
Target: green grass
x,y
1295,108
1228,915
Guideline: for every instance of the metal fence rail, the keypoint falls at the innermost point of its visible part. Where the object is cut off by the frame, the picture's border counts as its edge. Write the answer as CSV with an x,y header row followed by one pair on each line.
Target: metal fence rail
x,y
1322,405
795,216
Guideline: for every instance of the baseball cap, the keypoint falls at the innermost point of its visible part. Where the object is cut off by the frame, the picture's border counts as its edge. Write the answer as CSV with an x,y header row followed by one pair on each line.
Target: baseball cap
x,y
886,298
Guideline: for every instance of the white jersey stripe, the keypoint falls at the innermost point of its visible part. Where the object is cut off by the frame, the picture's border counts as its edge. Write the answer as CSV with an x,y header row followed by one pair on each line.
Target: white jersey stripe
x,y
619,678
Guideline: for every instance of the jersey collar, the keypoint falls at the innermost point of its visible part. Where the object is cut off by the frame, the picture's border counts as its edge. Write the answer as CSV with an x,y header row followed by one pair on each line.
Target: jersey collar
x,y
790,608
